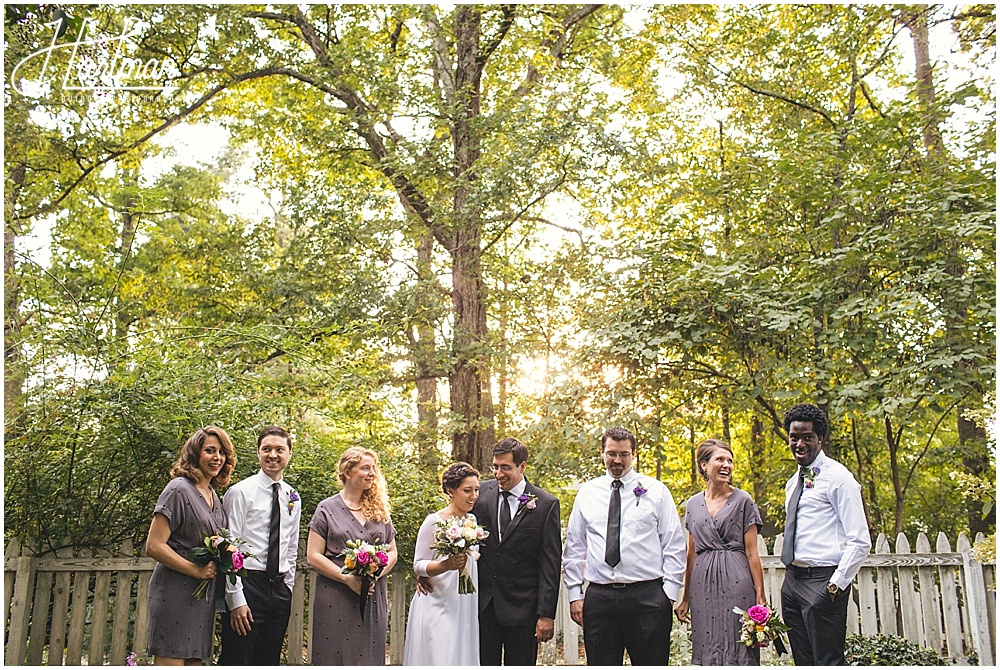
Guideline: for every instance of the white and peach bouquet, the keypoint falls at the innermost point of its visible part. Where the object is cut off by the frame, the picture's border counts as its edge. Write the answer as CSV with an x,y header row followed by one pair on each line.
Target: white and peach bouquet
x,y
460,535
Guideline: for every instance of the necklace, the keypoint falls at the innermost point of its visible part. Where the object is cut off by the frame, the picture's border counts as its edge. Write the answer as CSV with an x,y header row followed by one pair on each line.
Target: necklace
x,y
348,505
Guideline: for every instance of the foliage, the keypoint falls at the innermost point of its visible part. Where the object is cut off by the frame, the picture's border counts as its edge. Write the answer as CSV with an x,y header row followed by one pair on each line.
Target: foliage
x,y
888,650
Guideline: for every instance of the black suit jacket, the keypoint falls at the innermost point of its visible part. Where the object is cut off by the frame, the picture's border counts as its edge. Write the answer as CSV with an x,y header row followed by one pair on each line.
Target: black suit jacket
x,y
520,574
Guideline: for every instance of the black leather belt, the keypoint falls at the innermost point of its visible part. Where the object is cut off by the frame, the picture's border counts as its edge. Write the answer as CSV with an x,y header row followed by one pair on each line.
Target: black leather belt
x,y
624,585
814,571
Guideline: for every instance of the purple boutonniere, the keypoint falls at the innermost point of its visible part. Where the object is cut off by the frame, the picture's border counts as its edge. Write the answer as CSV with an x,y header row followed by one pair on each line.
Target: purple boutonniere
x,y
293,497
809,475
639,492
528,501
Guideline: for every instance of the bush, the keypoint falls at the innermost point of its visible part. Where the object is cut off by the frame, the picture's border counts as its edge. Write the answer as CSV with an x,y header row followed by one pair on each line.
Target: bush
x,y
888,650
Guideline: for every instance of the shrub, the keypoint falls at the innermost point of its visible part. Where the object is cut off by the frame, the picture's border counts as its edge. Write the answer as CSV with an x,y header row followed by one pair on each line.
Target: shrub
x,y
888,650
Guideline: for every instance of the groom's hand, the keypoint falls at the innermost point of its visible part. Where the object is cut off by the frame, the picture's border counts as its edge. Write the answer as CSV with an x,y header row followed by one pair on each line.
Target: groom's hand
x,y
424,585
545,628
576,611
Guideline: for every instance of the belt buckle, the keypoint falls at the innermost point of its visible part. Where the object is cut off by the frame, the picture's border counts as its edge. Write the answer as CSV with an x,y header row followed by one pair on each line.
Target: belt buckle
x,y
618,585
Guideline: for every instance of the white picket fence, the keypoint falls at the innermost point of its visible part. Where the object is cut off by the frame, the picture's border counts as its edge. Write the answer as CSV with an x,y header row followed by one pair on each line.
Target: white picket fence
x,y
93,609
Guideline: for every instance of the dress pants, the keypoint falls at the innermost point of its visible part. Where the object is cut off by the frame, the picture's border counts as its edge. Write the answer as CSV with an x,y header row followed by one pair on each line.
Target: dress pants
x,y
637,617
515,645
270,605
818,626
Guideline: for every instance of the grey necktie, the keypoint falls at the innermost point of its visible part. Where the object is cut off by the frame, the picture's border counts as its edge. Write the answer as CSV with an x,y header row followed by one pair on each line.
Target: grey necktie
x,y
788,546
613,543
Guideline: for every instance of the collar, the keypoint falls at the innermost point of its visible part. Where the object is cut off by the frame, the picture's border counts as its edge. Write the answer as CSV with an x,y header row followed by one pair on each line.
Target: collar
x,y
266,481
628,479
818,461
517,490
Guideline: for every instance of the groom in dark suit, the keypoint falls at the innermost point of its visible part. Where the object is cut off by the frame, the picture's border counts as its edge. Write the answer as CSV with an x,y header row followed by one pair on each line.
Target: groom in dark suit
x,y
519,569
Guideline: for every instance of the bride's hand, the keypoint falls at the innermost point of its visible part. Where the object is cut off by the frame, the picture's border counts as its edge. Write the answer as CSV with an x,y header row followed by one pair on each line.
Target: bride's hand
x,y
455,561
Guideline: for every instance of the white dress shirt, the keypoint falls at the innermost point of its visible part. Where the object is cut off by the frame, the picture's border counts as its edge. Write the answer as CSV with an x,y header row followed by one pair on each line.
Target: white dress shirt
x,y
248,509
652,540
515,492
830,529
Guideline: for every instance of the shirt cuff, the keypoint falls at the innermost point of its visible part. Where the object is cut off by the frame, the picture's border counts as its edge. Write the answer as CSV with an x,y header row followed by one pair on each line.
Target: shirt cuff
x,y
671,590
574,592
838,579
236,598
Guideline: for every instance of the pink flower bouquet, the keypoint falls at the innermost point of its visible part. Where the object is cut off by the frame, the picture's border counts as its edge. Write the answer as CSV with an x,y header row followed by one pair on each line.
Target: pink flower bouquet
x,y
761,626
459,535
226,551
366,560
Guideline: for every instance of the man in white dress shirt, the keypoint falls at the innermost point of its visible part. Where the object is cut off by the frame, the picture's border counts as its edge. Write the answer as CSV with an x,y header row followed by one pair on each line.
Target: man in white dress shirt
x,y
265,511
826,541
624,538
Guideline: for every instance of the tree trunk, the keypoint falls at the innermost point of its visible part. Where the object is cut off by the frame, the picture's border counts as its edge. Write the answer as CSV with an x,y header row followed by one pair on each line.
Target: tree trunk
x,y
471,392
757,479
424,349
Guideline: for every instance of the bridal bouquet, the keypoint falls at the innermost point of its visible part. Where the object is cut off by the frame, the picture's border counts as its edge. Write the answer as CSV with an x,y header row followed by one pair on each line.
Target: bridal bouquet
x,y
457,536
761,626
367,561
227,551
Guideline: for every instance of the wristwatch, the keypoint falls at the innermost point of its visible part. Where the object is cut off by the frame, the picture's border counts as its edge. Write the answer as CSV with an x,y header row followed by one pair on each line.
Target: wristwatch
x,y
832,589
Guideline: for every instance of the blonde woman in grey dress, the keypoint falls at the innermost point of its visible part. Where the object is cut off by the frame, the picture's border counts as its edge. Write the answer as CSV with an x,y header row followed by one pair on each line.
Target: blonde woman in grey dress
x,y
180,626
723,566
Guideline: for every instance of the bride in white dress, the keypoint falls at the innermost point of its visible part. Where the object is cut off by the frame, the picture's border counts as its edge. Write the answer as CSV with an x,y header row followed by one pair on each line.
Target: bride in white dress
x,y
443,625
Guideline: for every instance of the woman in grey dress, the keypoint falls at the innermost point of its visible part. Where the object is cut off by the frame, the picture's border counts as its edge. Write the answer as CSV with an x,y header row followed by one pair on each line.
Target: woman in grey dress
x,y
723,566
180,626
359,512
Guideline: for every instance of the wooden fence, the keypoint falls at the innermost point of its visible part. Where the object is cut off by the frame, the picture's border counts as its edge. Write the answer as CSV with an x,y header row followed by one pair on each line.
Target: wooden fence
x,y
70,610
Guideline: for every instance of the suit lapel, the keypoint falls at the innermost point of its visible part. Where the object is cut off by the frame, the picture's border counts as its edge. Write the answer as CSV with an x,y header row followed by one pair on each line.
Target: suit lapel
x,y
491,506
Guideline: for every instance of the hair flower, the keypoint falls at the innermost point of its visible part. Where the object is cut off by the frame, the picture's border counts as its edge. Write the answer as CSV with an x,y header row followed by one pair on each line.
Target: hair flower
x,y
639,492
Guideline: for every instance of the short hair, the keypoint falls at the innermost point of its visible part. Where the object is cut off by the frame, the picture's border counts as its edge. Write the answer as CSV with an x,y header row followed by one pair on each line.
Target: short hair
x,y
618,434
805,411
512,446
705,451
375,500
274,430
453,475
187,462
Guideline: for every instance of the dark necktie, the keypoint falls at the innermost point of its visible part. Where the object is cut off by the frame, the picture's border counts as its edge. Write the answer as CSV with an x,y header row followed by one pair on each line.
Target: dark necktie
x,y
505,513
613,544
788,546
273,532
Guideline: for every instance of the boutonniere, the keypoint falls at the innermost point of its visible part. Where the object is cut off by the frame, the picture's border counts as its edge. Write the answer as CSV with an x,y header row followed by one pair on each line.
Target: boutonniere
x,y
527,501
639,492
809,475
293,497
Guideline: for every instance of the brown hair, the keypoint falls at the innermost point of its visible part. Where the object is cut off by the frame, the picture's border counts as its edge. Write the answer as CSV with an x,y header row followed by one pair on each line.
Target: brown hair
x,y
512,446
705,451
374,501
453,475
618,434
274,430
186,464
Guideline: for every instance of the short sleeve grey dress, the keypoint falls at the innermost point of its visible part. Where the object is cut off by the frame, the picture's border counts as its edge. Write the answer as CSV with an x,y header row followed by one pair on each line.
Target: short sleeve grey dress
x,y
179,625
340,637
721,579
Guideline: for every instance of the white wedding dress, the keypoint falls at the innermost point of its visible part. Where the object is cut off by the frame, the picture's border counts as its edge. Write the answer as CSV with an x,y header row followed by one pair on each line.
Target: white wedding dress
x,y
443,627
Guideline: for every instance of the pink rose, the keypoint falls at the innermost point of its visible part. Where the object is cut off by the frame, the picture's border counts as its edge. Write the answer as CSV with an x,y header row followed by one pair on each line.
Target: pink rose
x,y
531,504
382,557
217,540
237,560
759,614
453,533
364,558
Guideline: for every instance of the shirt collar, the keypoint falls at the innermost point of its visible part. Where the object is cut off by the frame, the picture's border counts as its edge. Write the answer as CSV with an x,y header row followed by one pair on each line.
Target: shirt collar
x,y
517,491
627,479
266,480
820,458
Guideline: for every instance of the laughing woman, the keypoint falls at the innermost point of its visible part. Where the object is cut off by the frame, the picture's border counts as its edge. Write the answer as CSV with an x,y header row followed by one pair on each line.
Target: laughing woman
x,y
180,626
723,566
